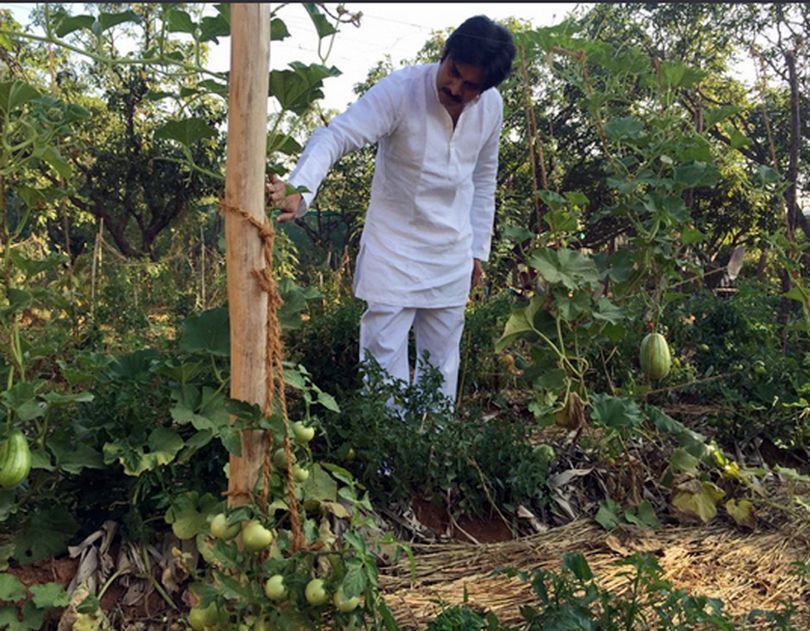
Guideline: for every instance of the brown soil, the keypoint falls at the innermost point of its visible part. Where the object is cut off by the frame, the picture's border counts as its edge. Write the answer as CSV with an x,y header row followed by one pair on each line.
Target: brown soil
x,y
149,614
465,529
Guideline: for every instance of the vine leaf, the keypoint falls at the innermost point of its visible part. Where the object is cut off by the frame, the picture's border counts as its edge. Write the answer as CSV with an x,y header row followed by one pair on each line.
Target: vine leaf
x,y
187,131
322,25
108,20
698,499
742,512
67,24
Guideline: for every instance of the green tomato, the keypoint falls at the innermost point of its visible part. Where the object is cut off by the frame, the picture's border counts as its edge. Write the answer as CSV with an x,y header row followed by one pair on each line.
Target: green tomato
x,y
204,618
256,537
280,458
274,588
300,473
350,454
545,452
343,604
315,592
303,434
220,528
703,348
263,624
759,367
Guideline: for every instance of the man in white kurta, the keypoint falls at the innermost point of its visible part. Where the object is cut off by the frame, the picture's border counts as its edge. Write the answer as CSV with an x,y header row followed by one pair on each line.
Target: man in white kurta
x,y
430,217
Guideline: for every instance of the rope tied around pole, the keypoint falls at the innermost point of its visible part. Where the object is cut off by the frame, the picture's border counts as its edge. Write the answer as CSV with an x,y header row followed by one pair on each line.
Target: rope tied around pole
x,y
274,371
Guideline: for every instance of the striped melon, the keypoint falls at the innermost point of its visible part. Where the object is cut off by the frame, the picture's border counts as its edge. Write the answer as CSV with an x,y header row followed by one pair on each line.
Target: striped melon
x,y
654,357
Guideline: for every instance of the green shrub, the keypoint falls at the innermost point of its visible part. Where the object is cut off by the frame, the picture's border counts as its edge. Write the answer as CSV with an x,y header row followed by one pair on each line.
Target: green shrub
x,y
408,440
327,344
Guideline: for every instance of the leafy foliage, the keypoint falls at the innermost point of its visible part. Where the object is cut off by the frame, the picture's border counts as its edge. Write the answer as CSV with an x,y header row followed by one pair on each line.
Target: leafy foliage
x,y
409,441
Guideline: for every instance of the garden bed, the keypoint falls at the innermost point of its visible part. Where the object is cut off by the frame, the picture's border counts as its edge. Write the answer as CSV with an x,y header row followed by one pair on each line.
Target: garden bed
x,y
746,571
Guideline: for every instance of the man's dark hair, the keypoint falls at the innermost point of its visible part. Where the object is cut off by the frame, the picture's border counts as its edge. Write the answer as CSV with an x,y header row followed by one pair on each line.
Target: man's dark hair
x,y
481,42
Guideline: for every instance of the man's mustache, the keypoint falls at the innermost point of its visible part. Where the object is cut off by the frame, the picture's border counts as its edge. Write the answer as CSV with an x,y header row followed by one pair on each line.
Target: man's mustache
x,y
451,96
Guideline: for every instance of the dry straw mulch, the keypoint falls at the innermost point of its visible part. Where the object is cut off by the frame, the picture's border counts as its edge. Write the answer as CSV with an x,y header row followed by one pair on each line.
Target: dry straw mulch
x,y
746,570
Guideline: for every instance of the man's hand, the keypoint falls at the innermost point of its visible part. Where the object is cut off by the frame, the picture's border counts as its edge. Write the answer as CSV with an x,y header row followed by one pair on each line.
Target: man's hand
x,y
477,273
277,198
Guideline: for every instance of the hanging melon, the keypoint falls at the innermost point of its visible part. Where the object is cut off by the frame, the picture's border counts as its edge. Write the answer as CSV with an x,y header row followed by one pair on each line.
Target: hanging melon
x,y
654,356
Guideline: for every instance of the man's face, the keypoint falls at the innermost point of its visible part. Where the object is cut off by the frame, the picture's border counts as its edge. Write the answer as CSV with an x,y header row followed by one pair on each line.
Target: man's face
x,y
458,83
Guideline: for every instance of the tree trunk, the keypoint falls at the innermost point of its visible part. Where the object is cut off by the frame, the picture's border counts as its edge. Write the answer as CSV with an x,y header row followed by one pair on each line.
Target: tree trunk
x,y
793,212
244,189
795,140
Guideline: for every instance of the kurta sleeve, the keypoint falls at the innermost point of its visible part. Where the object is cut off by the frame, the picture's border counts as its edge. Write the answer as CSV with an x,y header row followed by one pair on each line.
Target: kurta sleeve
x,y
373,116
484,181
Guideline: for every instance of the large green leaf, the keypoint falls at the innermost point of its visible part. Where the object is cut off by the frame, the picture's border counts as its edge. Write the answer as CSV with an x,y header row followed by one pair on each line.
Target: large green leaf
x,y
293,303
615,412
11,589
298,88
15,94
742,512
621,266
767,175
354,583
683,461
45,534
327,401
188,514
282,142
642,515
738,139
573,304
692,441
714,115
18,299
62,168
57,399
320,485
698,499
32,267
678,75
697,174
568,267
606,310
31,618
72,457
207,332
212,28
215,87
608,514
552,199
322,25
48,595
690,236
108,20
205,409
278,30
24,400
135,366
516,326
626,127
163,443
186,131
576,563
66,24
178,21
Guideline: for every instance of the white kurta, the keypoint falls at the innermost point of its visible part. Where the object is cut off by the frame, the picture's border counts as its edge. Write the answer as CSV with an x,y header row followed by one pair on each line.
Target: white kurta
x,y
433,192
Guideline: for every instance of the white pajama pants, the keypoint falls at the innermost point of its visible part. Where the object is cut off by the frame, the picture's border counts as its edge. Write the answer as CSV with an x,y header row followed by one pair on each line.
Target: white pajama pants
x,y
384,334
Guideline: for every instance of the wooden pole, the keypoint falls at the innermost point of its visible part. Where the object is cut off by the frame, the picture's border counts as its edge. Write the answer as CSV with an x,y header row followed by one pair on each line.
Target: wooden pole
x,y
244,189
